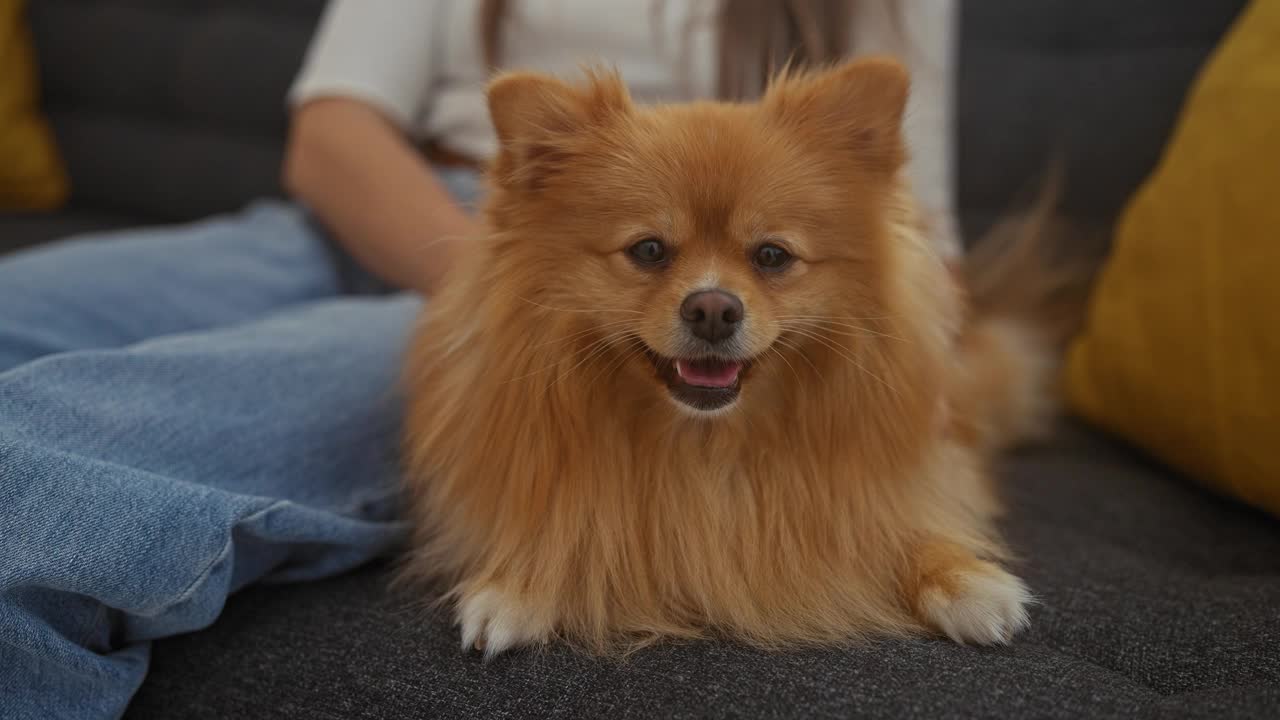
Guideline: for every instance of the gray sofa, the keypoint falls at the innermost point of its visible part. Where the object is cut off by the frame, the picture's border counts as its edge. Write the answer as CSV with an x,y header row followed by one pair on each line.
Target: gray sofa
x,y
1156,599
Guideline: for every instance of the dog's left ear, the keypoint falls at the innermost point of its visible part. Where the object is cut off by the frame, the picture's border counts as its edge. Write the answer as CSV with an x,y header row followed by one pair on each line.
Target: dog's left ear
x,y
854,108
539,119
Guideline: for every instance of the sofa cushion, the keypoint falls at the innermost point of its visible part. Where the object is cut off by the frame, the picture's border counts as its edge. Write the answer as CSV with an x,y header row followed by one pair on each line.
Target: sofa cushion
x,y
1180,353
31,176
1155,599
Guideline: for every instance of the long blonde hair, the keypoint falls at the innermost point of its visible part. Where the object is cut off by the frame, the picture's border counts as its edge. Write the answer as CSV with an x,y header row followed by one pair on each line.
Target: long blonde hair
x,y
756,37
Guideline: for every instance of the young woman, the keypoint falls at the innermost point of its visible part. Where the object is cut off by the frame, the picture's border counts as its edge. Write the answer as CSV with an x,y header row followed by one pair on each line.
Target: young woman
x,y
187,411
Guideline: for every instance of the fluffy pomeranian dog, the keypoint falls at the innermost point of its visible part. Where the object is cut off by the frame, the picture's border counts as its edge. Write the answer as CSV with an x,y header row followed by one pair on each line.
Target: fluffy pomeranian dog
x,y
708,377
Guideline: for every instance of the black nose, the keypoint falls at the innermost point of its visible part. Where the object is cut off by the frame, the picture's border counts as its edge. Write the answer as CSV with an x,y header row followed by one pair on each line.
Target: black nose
x,y
712,315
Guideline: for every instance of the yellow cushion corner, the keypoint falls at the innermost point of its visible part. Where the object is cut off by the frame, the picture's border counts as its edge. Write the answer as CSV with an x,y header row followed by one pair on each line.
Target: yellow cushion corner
x,y
1181,351
31,172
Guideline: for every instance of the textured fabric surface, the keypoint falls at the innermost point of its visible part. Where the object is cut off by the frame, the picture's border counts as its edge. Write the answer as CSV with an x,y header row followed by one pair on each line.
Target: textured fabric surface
x,y
19,230
31,174
1180,354
1092,84
170,109
154,461
1156,600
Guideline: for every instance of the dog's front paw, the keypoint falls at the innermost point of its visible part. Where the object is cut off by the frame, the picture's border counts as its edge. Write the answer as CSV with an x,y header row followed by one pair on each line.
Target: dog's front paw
x,y
981,604
494,621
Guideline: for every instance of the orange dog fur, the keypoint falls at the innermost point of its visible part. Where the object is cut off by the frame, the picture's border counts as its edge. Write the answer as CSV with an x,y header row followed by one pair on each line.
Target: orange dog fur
x,y
561,489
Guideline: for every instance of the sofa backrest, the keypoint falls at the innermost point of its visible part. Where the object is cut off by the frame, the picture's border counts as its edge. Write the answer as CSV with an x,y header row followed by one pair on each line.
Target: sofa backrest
x,y
174,109
170,109
1094,85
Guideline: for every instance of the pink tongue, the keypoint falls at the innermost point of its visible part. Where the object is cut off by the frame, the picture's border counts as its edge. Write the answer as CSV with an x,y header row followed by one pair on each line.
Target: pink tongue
x,y
708,373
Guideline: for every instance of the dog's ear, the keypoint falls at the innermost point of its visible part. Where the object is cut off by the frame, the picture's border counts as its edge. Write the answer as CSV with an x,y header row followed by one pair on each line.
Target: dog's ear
x,y
854,108
540,119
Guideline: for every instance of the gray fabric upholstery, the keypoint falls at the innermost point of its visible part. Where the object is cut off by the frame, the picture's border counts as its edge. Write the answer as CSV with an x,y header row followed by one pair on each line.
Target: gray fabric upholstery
x,y
170,110
23,230
1092,84
1156,600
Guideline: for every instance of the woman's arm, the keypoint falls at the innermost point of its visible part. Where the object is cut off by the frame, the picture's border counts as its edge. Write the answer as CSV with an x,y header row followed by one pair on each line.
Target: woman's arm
x,y
365,79
372,189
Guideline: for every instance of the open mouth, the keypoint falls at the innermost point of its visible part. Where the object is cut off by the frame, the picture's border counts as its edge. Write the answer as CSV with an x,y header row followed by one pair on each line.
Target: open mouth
x,y
703,383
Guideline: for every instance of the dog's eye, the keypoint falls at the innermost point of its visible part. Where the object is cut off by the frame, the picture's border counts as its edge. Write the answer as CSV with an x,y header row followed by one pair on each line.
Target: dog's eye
x,y
771,258
648,252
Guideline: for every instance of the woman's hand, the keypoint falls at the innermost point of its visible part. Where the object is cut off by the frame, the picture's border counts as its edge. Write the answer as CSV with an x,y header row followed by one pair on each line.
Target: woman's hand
x,y
359,173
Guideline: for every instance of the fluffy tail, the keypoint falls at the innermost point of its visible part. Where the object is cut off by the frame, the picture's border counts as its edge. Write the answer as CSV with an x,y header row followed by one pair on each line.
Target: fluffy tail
x,y
1027,295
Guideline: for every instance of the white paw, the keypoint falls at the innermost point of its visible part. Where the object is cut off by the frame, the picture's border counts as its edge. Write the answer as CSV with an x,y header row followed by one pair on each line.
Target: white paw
x,y
494,622
985,608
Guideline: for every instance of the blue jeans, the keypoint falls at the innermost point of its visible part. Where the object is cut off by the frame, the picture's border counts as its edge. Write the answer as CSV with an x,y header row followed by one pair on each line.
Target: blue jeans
x,y
183,411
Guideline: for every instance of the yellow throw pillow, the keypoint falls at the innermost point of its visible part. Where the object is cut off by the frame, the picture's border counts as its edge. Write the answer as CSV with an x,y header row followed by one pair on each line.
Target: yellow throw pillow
x,y
31,173
1181,352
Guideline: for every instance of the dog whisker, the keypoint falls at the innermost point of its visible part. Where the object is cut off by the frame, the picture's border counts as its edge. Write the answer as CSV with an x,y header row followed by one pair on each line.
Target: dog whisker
x,y
590,349
858,330
601,346
843,318
582,333
617,364
784,342
845,353
784,359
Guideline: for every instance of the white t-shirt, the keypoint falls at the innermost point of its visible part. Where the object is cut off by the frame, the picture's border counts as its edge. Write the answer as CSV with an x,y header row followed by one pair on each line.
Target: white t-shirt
x,y
420,62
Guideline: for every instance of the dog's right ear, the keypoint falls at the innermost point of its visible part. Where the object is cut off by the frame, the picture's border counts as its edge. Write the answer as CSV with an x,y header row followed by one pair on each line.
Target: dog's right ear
x,y
540,120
